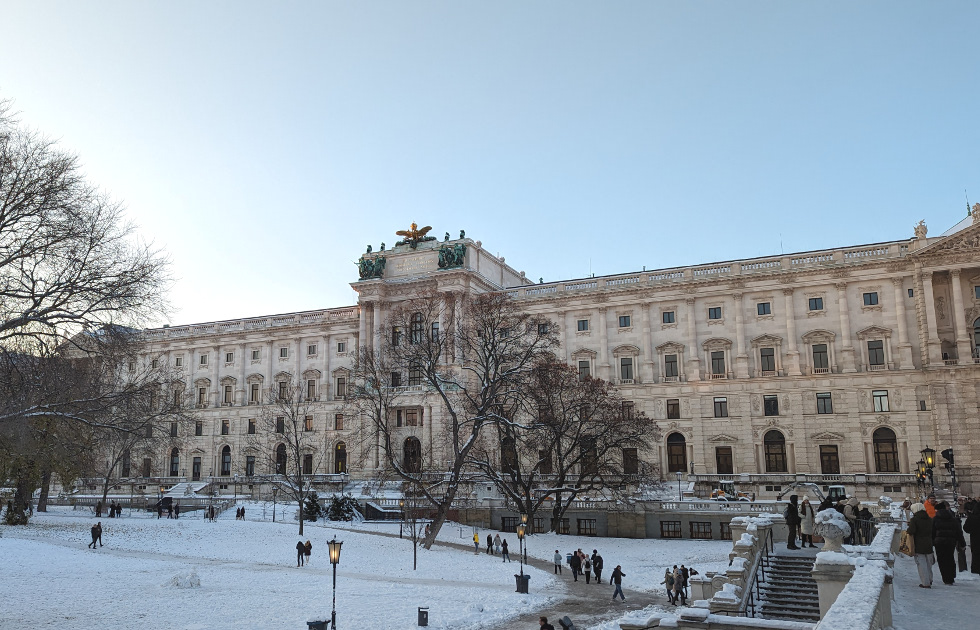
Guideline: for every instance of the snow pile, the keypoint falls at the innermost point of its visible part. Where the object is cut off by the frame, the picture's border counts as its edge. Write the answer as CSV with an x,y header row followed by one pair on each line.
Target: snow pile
x,y
729,592
191,580
834,517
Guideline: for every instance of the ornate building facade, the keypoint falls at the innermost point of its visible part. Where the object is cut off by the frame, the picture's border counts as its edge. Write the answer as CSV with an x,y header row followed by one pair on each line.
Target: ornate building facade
x,y
834,367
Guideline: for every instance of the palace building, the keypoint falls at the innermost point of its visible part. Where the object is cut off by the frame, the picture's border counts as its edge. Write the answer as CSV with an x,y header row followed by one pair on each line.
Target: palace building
x,y
834,367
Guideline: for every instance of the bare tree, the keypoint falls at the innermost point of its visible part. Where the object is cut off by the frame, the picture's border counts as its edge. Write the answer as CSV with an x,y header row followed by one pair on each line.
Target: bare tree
x,y
568,437
286,438
69,260
469,373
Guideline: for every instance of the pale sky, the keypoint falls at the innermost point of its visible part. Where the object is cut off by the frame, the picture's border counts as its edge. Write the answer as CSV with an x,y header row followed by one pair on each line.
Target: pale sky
x,y
265,144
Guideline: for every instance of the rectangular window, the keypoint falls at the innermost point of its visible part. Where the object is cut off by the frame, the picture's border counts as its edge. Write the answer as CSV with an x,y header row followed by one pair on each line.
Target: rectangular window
x,y
249,465
718,362
583,370
414,374
768,360
311,349
251,426
829,460
508,524
396,336
311,389
204,359
626,368
911,293
723,460
434,334
284,353
544,462
542,329
563,526
583,325
626,409
821,363
202,396
341,392
725,531
825,404
341,347
173,429
670,529
253,393
338,422
871,299
146,467
307,464
396,379
876,352
701,530
149,431
816,304
586,526
412,418
714,312
308,423
880,399
631,462
764,308
256,355
177,398
399,421
721,407
770,405
229,357
670,365
673,408
283,390
224,427
229,395
154,364
668,317
198,428
179,361
624,321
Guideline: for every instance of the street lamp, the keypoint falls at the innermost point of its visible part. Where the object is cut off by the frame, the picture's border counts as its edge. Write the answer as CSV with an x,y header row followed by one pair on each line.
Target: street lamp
x,y
679,496
929,455
524,551
334,546
275,490
401,509
520,541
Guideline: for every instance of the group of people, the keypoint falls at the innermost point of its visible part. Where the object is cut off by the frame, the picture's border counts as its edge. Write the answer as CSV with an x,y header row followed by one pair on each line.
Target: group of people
x,y
240,514
936,534
495,545
581,564
303,552
675,581
173,510
115,509
96,535
800,518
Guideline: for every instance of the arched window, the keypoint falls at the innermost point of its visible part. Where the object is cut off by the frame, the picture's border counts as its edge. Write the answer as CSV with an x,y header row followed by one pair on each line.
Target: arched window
x,y
413,455
340,458
281,459
676,453
508,456
775,447
886,451
226,461
417,327
174,463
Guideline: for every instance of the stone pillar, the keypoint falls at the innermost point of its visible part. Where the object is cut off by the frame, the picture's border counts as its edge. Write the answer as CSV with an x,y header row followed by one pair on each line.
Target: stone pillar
x,y
361,325
959,325
378,320
741,358
693,360
324,388
216,389
792,353
904,359
832,571
457,322
269,377
933,345
242,385
603,344
646,375
847,349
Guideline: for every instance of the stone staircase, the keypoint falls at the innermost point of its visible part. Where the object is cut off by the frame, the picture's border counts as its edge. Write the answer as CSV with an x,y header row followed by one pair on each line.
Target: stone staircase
x,y
789,591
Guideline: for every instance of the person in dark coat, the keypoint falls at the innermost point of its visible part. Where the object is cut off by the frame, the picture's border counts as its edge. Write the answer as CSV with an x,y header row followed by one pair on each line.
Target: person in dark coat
x,y
490,544
543,623
176,510
576,564
170,510
300,552
920,529
96,535
617,579
307,551
597,566
504,552
972,527
792,515
947,537
98,509
159,510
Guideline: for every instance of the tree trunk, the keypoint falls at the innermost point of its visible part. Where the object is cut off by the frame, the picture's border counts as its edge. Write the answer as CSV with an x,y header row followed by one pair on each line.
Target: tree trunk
x,y
301,516
22,495
42,502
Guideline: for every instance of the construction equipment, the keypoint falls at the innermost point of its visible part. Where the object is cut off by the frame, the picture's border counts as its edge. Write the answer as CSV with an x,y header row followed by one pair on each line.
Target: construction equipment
x,y
727,492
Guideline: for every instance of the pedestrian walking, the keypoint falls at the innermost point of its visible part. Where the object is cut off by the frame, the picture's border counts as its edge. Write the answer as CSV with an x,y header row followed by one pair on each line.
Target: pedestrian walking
x,y
300,553
307,550
98,509
96,535
806,523
476,543
504,553
947,537
496,544
543,623
490,544
576,564
972,527
597,566
684,576
792,515
679,587
920,529
617,579
159,510
669,585
587,568
558,562
176,511
170,510
852,510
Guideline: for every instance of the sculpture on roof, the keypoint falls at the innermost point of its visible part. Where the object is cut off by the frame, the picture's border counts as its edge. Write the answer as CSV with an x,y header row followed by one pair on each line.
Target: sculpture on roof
x,y
452,256
370,268
920,229
976,213
414,236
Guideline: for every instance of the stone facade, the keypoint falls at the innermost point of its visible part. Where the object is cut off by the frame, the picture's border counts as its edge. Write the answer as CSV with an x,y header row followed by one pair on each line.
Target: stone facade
x,y
833,366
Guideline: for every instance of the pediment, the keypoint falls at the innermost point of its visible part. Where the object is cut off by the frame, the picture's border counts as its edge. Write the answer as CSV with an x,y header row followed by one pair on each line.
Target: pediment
x,y
313,373
203,382
963,242
228,380
255,378
874,331
716,343
819,335
828,435
728,439
584,352
283,376
670,346
626,349
767,340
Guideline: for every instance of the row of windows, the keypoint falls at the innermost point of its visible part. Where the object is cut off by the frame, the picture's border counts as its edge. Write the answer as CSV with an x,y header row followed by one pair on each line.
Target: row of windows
x,y
770,406
250,426
700,530
884,447
339,464
256,354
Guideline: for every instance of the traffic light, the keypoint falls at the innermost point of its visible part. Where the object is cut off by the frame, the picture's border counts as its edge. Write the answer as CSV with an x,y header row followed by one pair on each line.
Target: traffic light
x,y
948,456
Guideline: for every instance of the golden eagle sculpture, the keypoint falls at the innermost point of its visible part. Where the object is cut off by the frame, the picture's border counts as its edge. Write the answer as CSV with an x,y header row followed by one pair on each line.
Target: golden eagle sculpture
x,y
413,236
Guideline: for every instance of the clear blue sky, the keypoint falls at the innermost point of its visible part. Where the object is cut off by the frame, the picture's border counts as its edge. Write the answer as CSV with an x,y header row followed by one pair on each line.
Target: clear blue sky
x,y
264,145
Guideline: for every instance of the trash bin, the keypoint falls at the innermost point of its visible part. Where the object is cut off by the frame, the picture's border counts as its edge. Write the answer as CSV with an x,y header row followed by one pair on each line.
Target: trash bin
x,y
423,617
522,581
566,623
317,625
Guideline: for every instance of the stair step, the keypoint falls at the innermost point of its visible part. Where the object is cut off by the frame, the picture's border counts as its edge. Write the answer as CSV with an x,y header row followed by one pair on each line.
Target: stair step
x,y
788,608
791,598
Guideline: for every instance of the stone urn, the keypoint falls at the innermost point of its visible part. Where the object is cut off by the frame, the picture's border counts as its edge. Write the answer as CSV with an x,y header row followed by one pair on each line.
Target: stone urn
x,y
832,527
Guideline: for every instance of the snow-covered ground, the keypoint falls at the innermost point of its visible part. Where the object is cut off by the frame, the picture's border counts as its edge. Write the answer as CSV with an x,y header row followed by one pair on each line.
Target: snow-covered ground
x,y
914,608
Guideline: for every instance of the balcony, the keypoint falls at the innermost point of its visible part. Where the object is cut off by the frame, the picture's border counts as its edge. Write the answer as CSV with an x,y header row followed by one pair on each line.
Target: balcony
x,y
823,370
670,379
626,381
881,367
769,373
719,376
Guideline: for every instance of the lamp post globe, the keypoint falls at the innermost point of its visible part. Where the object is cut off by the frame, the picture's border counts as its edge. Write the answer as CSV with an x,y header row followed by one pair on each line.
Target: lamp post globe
x,y
929,455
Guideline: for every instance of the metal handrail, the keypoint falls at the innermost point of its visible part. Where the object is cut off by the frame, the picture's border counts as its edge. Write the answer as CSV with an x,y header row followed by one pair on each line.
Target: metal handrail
x,y
768,547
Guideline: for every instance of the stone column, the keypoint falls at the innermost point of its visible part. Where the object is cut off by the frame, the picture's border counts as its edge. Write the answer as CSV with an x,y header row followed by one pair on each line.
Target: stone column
x,y
457,320
324,388
216,389
569,336
847,349
603,344
268,383
378,319
959,326
904,360
646,375
741,358
693,360
933,345
242,385
792,353
832,571
361,325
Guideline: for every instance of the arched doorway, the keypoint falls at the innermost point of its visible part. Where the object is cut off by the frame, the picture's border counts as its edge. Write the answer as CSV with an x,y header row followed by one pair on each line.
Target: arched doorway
x,y
885,450
174,463
226,461
412,460
775,447
340,458
676,453
281,459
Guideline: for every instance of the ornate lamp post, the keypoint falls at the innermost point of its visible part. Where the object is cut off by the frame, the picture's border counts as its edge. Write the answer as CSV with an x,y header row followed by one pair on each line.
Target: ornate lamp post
x,y
920,478
334,546
520,540
929,456
524,547
275,490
